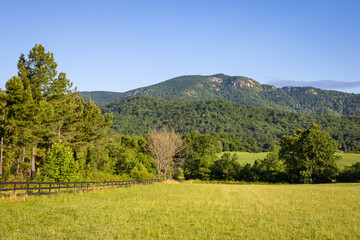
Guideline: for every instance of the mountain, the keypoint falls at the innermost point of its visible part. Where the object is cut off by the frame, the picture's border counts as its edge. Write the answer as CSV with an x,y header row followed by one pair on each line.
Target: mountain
x,y
245,91
351,87
138,115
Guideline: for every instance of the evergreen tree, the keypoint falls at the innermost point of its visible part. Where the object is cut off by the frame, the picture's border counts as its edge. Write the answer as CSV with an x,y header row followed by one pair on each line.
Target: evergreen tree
x,y
38,74
21,116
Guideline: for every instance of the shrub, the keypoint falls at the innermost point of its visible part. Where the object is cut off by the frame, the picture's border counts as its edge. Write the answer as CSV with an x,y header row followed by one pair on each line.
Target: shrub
x,y
350,173
60,165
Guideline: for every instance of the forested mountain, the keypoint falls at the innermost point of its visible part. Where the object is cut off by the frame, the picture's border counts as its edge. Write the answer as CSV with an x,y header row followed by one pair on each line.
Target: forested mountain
x,y
245,91
253,125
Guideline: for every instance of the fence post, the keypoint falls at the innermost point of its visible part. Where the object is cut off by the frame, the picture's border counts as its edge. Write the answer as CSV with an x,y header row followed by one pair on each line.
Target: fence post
x,y
39,189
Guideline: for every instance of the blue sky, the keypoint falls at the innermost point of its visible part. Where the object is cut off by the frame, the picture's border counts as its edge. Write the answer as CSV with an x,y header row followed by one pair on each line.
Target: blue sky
x,y
122,45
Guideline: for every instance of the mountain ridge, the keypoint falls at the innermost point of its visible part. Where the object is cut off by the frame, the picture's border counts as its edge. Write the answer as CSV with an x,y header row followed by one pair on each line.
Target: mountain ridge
x,y
242,90
322,84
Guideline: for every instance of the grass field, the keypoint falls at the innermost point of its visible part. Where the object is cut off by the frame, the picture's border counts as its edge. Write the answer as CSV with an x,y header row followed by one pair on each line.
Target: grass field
x,y
188,211
245,157
348,159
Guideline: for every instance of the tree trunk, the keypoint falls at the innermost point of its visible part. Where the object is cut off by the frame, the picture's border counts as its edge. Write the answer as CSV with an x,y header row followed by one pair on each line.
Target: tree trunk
x,y
1,154
23,159
23,154
158,168
17,167
59,133
32,162
49,147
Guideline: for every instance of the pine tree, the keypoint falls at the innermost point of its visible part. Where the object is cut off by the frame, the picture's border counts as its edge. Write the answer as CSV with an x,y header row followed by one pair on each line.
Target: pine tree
x,y
49,93
21,112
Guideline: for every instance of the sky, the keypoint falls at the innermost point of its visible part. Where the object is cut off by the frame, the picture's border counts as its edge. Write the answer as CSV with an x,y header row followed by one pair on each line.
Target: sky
x,y
123,45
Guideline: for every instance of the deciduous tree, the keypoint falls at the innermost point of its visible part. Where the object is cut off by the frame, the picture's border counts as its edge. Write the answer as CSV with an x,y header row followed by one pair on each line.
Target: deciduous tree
x,y
309,156
164,144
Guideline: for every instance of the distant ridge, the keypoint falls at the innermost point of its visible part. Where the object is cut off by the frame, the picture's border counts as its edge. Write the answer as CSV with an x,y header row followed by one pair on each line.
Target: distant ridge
x,y
242,90
351,87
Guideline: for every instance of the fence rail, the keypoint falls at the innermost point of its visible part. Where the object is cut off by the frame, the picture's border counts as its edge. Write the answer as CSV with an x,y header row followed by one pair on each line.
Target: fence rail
x,y
42,188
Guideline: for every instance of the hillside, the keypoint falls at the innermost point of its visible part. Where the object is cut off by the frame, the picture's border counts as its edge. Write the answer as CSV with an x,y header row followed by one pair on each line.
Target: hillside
x,y
245,91
249,124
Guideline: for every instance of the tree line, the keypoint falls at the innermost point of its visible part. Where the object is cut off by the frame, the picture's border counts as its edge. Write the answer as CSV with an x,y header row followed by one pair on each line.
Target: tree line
x,y
305,157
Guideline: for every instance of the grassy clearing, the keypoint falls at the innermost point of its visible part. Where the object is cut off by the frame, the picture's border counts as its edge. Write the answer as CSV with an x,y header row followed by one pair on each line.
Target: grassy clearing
x,y
188,211
245,157
348,159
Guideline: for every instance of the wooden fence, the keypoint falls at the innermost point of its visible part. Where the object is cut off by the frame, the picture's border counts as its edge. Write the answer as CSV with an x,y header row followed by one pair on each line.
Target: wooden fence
x,y
42,188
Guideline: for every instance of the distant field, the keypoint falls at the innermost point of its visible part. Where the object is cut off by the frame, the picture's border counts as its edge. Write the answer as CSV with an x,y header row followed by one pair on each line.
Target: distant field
x,y
348,159
189,211
245,157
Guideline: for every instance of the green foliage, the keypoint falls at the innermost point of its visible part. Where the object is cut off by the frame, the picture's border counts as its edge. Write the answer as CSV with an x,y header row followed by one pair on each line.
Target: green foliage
x,y
199,155
116,155
226,168
272,168
60,164
237,127
309,156
140,172
272,161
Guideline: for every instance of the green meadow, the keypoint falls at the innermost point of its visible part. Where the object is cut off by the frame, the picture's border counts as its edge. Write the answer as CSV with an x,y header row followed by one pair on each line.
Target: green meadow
x,y
348,159
188,211
246,157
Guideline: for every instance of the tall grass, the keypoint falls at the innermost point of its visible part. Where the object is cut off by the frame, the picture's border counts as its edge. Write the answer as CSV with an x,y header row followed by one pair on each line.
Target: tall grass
x,y
188,211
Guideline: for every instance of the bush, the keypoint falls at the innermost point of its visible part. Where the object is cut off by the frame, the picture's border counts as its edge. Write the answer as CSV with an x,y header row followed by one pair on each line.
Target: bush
x,y
350,173
226,168
140,172
60,165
